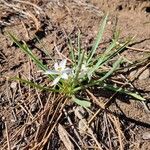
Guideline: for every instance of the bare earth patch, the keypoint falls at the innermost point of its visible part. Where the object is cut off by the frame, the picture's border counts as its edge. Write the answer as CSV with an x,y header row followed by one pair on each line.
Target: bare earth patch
x,y
30,119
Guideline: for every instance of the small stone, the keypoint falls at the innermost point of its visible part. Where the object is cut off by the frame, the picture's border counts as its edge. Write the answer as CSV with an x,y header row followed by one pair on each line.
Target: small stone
x,y
109,22
146,136
82,126
13,85
34,107
132,74
144,75
80,112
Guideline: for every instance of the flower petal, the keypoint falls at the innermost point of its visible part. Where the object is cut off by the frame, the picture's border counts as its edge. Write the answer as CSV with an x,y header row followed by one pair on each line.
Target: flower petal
x,y
67,70
51,72
56,81
56,66
64,76
84,68
63,64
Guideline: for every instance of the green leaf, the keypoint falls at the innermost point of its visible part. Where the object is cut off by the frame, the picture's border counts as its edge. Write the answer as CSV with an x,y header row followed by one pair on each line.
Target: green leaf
x,y
82,103
80,62
115,67
79,46
35,85
98,39
26,49
102,58
72,55
135,95
121,90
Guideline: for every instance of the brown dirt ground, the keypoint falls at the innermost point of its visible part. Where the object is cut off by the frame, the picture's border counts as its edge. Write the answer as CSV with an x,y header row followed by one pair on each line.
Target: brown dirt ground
x,y
51,25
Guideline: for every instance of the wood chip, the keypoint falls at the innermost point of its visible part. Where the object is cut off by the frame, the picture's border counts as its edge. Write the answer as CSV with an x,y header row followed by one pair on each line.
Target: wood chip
x,y
63,134
146,136
144,75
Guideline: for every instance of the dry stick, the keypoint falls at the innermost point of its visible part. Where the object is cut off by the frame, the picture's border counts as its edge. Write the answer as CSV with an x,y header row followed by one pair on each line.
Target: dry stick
x,y
28,3
56,110
2,53
39,98
89,7
74,141
53,98
26,31
132,48
43,142
109,122
29,14
118,131
97,112
48,113
137,49
19,86
48,136
91,133
52,118
49,99
37,133
25,108
103,106
108,131
72,126
10,102
19,130
29,74
8,141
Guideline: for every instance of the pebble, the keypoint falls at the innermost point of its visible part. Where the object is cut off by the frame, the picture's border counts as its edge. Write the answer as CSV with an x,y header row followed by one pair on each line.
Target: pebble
x,y
80,112
144,75
146,136
34,107
82,126
13,85
132,74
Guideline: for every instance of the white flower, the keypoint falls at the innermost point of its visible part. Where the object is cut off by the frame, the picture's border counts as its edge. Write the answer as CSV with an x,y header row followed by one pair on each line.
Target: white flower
x,y
60,70
84,70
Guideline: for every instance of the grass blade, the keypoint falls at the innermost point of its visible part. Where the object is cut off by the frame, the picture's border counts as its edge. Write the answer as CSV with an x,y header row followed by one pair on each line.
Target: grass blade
x,y
71,50
108,56
98,39
115,66
25,48
102,58
82,103
35,85
123,91
79,46
80,62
